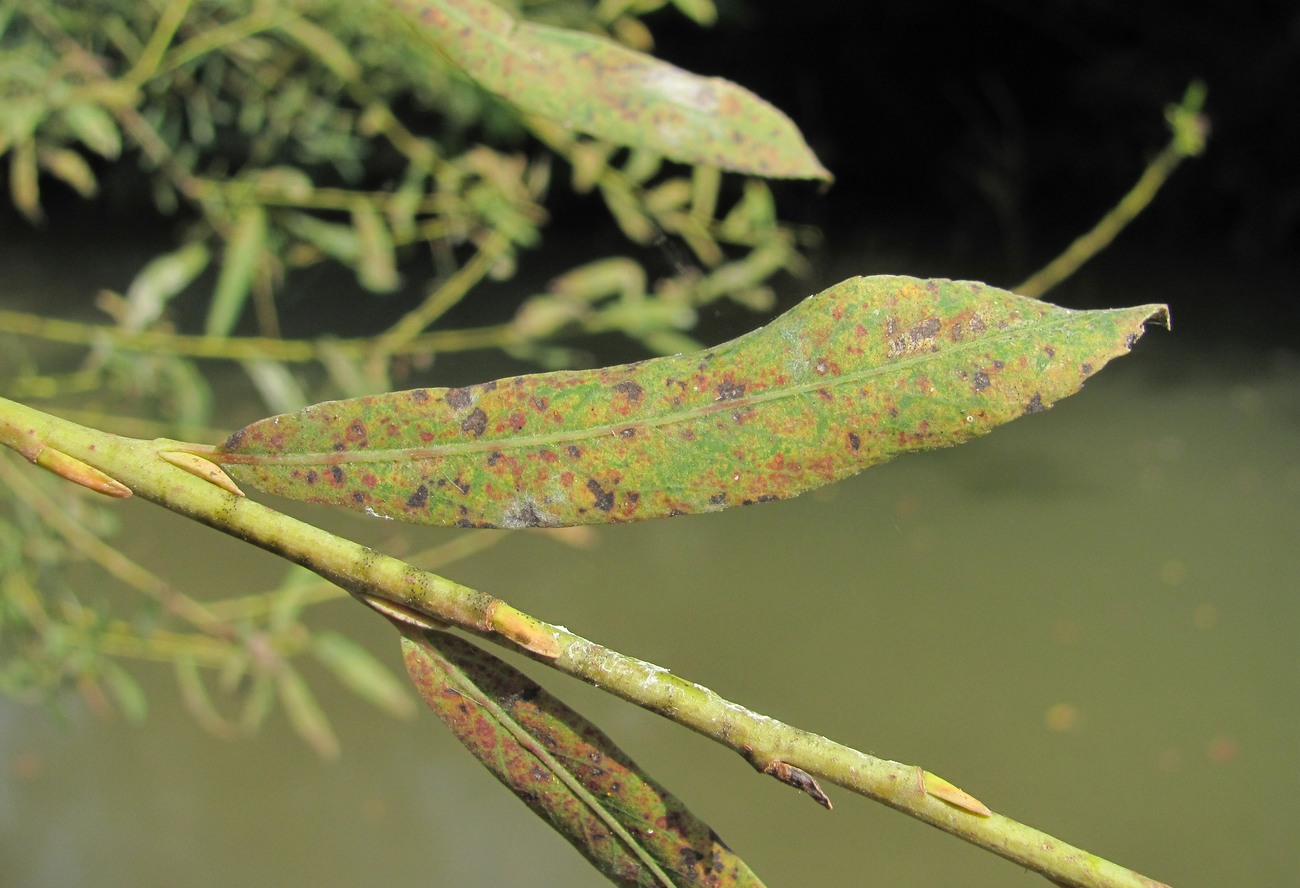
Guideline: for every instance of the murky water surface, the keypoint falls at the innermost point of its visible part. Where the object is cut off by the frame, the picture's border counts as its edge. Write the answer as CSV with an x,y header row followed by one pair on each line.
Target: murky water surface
x,y
1088,619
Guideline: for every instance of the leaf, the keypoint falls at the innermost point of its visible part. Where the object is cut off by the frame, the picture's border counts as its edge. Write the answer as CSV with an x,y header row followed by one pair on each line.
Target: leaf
x,y
851,377
361,673
572,775
95,128
246,243
376,263
304,713
161,280
595,86
71,168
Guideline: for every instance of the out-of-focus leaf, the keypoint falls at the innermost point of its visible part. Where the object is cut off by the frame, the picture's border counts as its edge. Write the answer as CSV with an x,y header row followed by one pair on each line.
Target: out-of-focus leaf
x,y
361,673
194,694
95,128
862,372
275,383
376,263
288,183
617,275
160,281
755,211
570,774
24,180
71,168
595,86
126,692
238,268
331,238
304,713
701,11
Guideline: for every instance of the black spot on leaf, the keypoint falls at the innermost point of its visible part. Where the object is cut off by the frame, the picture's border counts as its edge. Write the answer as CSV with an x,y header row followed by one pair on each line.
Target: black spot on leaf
x,y
730,390
418,499
604,498
631,389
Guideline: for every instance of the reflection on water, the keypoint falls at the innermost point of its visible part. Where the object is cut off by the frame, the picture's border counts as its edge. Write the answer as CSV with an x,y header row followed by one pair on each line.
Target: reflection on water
x,y
1088,619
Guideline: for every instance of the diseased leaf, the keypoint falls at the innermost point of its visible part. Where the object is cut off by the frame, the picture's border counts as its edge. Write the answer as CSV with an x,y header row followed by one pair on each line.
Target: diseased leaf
x,y
595,86
851,377
633,830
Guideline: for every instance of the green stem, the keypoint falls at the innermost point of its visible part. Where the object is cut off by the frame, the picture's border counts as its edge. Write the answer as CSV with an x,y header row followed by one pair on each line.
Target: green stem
x,y
296,351
416,597
1188,140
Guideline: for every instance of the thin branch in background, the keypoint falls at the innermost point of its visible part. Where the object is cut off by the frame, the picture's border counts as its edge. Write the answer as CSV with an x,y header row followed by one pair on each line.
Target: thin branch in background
x,y
1190,129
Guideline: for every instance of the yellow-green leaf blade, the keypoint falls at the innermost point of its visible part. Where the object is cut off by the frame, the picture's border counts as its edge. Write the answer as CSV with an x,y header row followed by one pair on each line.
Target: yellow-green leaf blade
x,y
851,377
595,86
572,775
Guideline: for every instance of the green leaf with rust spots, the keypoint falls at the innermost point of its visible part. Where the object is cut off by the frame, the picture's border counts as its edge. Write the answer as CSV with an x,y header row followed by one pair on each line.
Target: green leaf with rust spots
x,y
594,86
633,830
851,377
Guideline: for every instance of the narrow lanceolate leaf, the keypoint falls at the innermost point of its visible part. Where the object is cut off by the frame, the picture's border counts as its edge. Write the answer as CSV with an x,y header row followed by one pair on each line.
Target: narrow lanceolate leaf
x,y
633,830
600,88
851,377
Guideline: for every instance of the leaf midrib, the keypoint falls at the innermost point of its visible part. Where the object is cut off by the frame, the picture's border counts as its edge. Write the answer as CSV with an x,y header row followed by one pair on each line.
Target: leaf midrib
x,y
460,448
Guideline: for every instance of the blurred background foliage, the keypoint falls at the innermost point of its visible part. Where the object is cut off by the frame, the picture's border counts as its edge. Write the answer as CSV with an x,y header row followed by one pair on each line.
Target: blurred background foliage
x,y
294,143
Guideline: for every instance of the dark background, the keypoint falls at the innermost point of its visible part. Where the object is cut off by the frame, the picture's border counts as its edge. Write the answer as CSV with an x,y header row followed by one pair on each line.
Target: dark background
x,y
977,139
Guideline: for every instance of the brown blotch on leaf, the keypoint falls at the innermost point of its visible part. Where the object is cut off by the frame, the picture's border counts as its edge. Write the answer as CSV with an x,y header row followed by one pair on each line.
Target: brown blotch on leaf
x,y
458,398
927,329
356,431
632,390
418,499
604,498
730,390
476,423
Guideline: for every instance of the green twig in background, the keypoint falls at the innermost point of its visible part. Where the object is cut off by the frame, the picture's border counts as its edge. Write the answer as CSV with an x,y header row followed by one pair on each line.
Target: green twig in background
x,y
1189,133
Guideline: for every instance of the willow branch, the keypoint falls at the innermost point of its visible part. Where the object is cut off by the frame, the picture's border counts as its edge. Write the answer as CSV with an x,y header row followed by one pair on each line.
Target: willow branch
x,y
417,598
242,348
